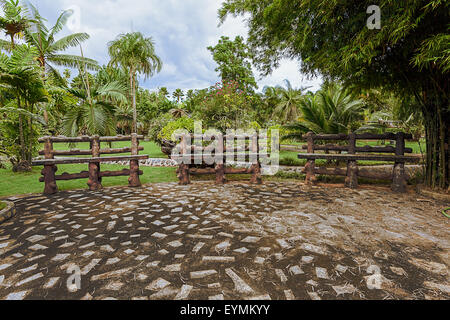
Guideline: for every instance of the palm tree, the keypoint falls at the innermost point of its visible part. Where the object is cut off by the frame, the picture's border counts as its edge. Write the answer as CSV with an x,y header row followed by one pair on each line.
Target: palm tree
x,y
178,94
19,75
43,39
14,23
178,112
94,114
136,54
287,106
331,110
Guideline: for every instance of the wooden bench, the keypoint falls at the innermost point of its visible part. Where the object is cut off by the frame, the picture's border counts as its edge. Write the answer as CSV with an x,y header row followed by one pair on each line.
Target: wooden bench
x,y
94,174
356,153
234,147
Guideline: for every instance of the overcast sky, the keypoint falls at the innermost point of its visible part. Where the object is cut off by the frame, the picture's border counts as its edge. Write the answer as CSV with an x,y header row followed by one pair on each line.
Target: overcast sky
x,y
182,30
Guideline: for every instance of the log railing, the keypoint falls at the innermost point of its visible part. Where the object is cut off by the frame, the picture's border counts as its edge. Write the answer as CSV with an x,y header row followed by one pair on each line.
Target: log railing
x,y
94,174
353,154
195,154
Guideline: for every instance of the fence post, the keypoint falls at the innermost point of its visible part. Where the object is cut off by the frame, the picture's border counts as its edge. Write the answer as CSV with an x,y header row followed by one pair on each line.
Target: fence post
x,y
256,166
183,169
310,166
351,181
94,181
49,170
399,175
133,180
220,166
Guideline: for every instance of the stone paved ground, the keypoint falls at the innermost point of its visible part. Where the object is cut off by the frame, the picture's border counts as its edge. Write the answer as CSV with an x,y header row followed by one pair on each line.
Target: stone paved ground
x,y
275,241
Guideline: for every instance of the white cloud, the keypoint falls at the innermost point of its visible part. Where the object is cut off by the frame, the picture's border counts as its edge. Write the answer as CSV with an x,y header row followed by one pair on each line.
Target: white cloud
x,y
182,30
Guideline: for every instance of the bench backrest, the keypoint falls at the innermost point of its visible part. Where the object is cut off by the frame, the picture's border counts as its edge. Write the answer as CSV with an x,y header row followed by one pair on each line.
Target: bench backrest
x,y
94,150
351,146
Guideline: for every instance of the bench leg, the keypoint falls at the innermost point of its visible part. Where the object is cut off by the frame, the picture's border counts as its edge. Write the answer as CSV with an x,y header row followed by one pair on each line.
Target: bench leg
x,y
49,178
220,174
310,168
351,181
256,174
399,178
183,174
133,180
94,181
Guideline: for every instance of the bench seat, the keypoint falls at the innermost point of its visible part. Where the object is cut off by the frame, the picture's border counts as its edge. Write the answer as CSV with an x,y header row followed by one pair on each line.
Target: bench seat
x,y
87,160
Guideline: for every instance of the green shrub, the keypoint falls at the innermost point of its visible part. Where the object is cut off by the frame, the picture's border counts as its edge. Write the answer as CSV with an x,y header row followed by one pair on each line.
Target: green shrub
x,y
180,123
157,125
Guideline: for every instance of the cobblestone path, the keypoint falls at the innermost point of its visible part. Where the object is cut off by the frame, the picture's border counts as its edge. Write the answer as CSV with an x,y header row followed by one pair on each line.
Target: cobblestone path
x,y
238,241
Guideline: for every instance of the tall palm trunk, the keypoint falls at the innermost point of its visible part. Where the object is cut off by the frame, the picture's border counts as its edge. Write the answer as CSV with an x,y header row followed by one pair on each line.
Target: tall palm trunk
x,y
133,97
21,135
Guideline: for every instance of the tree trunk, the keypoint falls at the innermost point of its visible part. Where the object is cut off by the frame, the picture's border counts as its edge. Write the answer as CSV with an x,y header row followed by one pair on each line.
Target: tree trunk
x,y
21,135
133,97
437,118
30,138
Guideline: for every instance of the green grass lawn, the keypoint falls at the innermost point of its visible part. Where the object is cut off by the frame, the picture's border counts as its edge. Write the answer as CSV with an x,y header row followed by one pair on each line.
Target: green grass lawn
x,y
150,148
23,183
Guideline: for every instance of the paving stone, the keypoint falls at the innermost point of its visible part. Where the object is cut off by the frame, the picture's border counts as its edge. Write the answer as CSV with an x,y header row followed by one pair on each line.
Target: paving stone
x,y
29,279
260,297
202,274
158,284
296,270
184,292
216,297
16,295
281,275
36,238
175,244
307,259
51,282
322,273
37,247
218,259
241,250
240,285
60,257
28,269
112,261
172,268
115,286
314,296
344,289
198,247
341,268
289,295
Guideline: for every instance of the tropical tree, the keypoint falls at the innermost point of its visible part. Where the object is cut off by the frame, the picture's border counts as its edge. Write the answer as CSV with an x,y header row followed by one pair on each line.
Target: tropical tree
x,y
287,101
49,56
331,110
234,60
13,22
178,94
19,74
409,55
95,112
136,54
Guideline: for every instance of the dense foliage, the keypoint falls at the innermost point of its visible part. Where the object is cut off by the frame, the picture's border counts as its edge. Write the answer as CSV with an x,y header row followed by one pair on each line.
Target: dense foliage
x,y
408,56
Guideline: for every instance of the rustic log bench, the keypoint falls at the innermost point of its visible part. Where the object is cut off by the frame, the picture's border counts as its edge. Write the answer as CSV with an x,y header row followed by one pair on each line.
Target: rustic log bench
x,y
94,174
354,153
233,147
